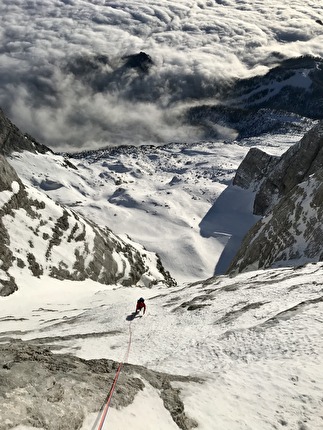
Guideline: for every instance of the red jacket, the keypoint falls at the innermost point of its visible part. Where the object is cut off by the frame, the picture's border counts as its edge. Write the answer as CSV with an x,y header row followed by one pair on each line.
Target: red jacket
x,y
140,305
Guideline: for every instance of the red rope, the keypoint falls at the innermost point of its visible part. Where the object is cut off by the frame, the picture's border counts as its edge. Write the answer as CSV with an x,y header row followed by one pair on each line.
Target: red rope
x,y
107,404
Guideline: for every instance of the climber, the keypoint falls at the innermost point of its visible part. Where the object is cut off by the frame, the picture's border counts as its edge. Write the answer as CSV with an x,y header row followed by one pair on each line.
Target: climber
x,y
140,305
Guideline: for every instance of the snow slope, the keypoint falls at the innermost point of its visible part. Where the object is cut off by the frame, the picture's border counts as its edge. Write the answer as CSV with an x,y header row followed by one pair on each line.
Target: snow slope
x,y
255,340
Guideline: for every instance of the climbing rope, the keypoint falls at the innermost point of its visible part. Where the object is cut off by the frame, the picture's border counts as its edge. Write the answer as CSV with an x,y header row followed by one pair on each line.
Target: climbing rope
x,y
115,380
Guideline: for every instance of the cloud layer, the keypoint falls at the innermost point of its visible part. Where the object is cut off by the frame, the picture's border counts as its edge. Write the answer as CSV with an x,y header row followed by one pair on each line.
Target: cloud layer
x,y
63,75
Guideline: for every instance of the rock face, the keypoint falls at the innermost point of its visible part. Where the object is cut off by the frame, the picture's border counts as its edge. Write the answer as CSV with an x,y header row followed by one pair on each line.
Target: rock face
x,y
8,202
56,392
254,168
11,138
299,162
289,195
42,237
291,233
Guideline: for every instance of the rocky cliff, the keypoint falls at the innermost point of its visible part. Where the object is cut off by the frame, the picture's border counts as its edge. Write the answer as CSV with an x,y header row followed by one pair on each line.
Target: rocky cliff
x,y
43,237
289,195
57,392
294,166
12,139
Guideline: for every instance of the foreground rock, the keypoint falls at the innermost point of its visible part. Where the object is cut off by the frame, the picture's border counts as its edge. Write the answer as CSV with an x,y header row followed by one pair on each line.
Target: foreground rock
x,y
57,392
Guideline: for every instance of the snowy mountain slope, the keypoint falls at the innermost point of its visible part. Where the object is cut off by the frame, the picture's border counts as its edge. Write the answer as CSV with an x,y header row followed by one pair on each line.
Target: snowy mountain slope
x,y
254,341
294,86
42,237
159,196
286,98
207,70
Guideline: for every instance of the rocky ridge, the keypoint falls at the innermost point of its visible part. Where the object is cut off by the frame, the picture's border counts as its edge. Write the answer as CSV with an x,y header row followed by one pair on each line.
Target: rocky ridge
x,y
289,195
43,237
12,139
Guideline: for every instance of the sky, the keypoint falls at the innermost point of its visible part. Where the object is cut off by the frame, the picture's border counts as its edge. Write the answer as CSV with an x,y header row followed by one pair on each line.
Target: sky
x,y
62,63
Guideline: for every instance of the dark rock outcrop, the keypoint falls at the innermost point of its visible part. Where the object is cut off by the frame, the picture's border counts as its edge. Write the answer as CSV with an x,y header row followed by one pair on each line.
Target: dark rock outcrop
x,y
57,392
141,61
11,139
103,74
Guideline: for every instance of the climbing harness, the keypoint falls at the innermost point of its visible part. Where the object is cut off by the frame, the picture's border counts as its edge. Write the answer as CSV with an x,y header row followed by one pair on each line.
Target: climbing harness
x,y
115,380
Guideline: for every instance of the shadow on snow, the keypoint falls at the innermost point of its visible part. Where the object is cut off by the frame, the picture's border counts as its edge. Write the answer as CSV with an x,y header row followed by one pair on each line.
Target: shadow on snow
x,y
228,220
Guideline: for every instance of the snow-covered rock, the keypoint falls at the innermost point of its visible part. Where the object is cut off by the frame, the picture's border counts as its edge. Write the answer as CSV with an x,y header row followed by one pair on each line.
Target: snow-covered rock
x,y
294,166
289,235
43,237
290,195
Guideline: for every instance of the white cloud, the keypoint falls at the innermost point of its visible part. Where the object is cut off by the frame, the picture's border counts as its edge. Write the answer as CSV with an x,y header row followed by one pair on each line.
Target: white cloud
x,y
195,45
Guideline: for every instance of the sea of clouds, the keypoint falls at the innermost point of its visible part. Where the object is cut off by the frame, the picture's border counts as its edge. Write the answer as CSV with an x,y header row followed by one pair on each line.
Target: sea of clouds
x,y
62,62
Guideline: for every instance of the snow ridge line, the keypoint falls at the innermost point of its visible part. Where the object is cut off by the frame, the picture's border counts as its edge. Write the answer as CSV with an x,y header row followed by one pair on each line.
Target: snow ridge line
x,y
115,380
